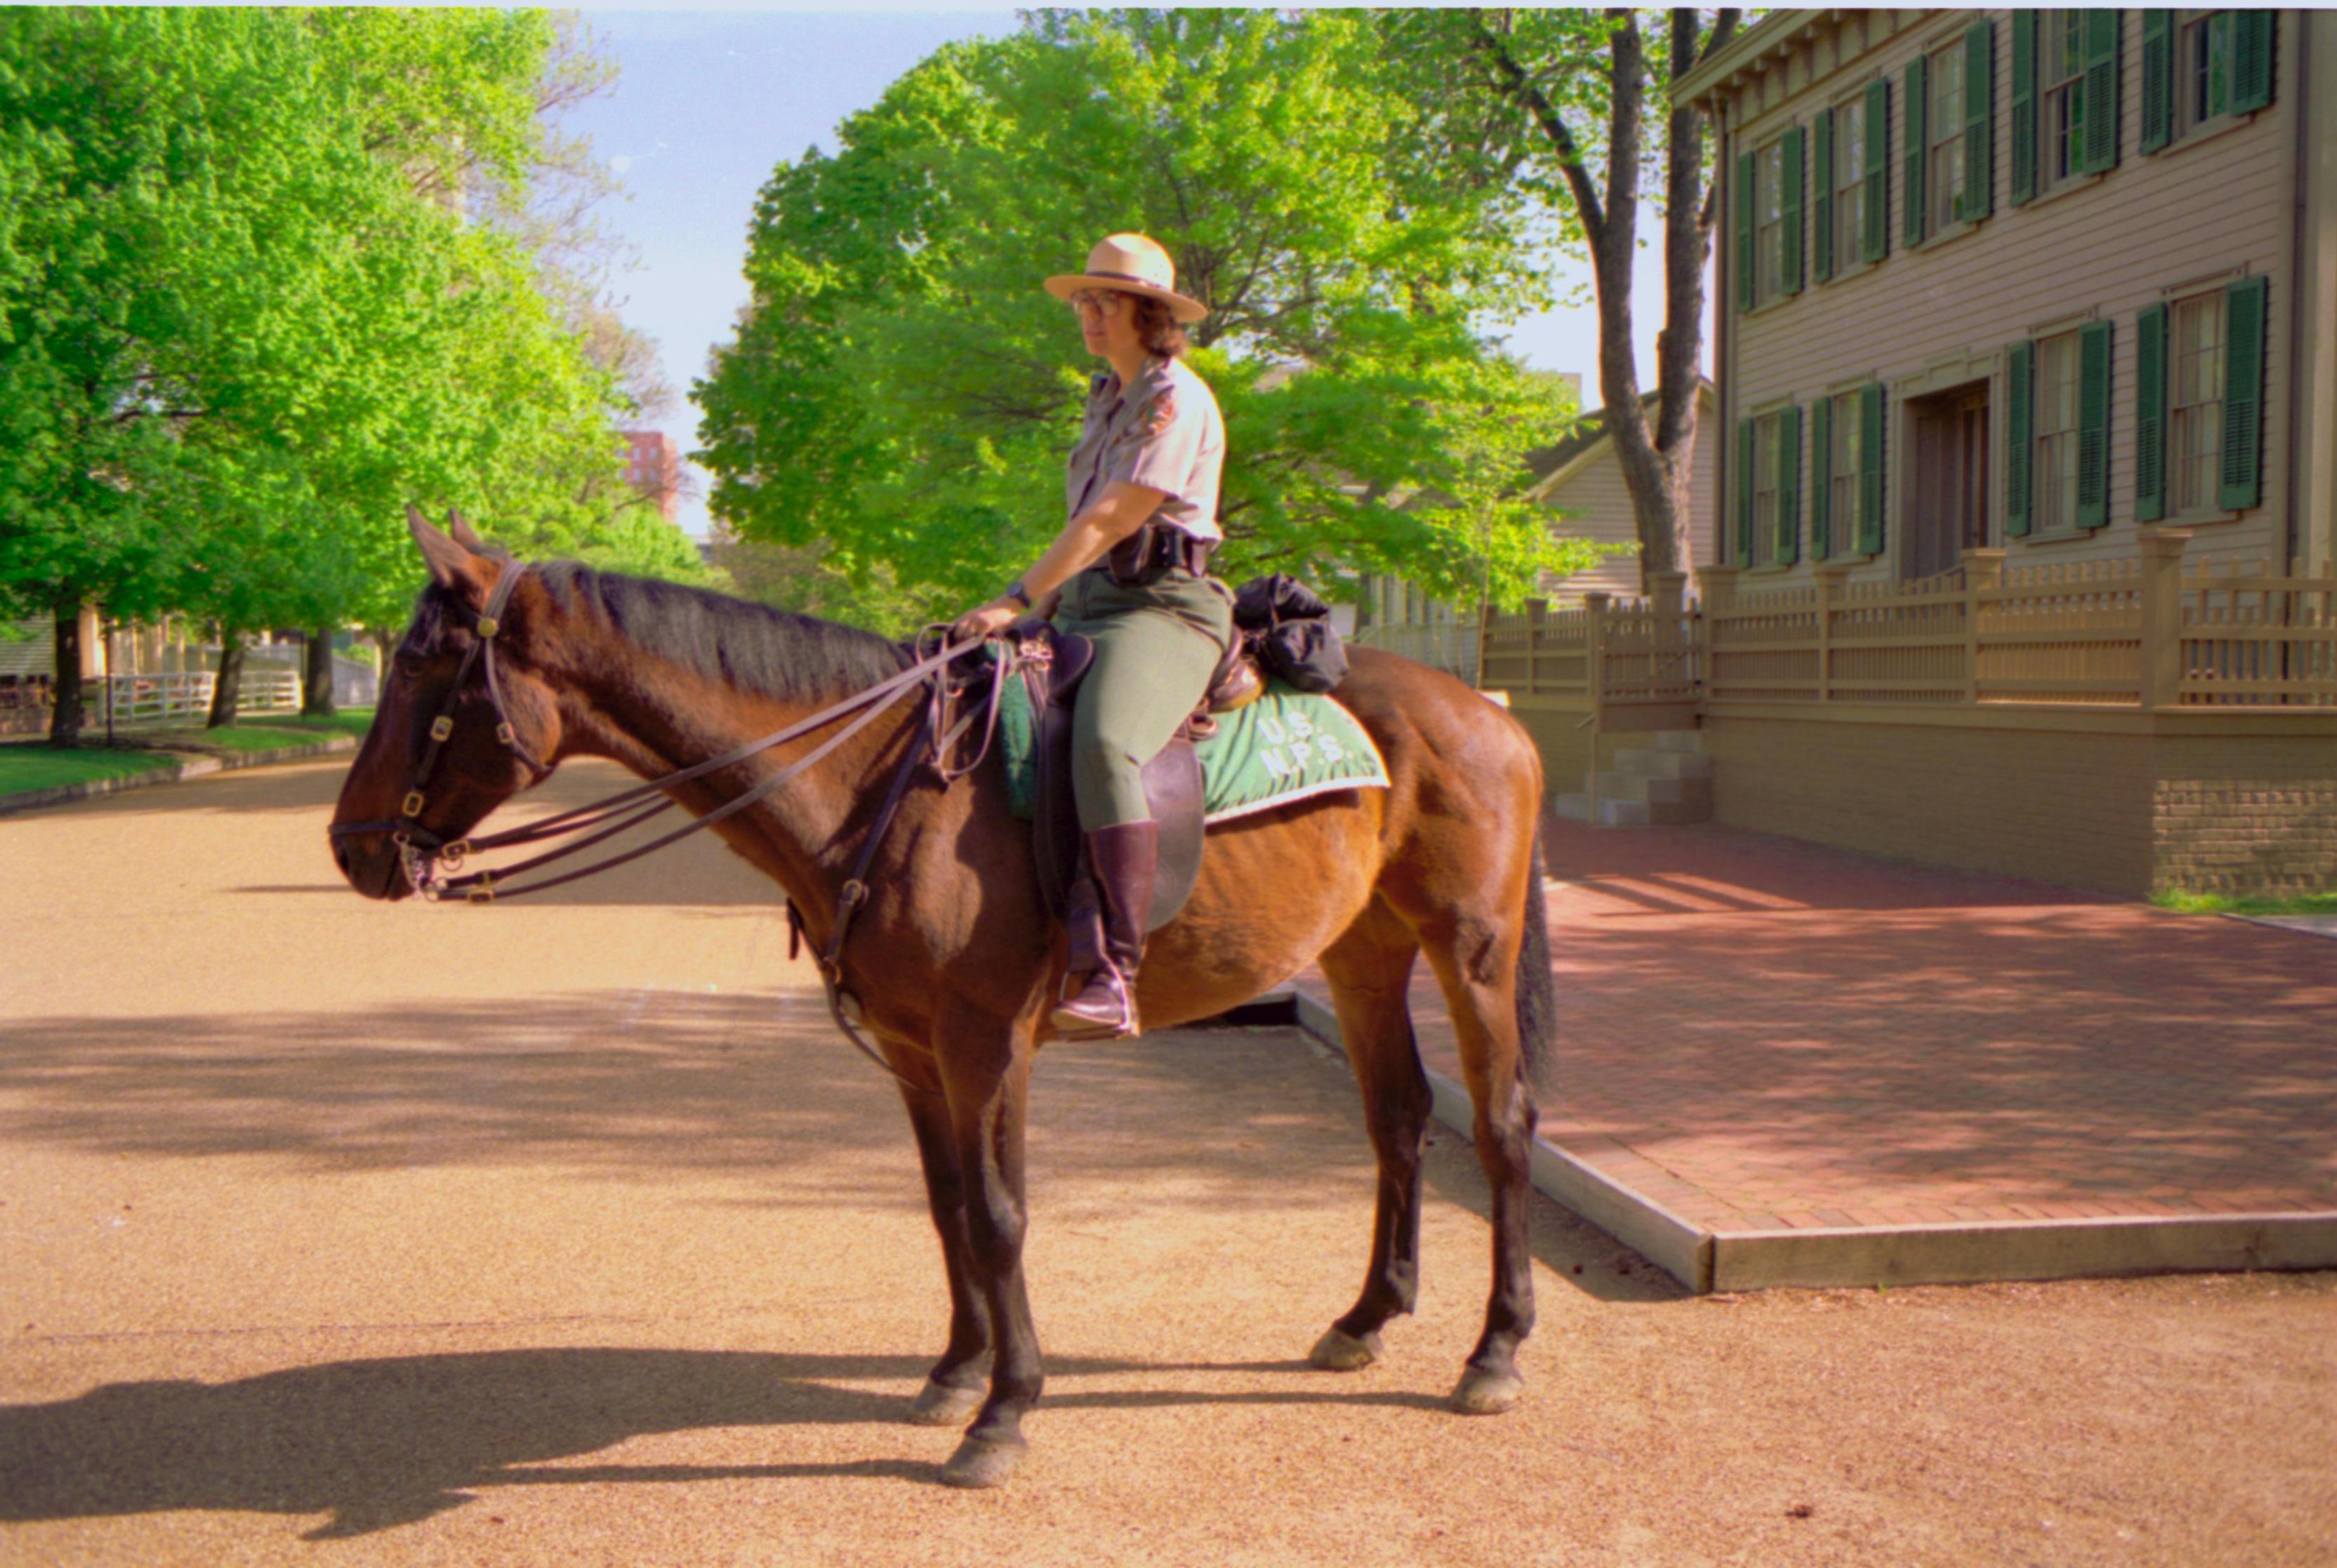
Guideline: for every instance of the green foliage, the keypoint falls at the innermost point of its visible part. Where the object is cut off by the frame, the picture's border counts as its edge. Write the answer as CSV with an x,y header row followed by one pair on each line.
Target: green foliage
x,y
2189,904
245,316
902,395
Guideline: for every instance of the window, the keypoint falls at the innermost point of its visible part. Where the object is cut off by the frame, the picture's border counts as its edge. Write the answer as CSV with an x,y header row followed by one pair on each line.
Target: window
x,y
2201,68
1842,471
2061,79
1849,184
2056,503
1943,183
2194,403
1768,221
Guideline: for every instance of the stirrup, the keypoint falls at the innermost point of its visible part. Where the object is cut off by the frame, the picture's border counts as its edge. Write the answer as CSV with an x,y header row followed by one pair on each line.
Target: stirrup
x,y
1120,1023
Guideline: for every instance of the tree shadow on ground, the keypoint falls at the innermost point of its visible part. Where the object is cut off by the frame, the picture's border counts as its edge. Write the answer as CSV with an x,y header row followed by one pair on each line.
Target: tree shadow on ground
x,y
377,1443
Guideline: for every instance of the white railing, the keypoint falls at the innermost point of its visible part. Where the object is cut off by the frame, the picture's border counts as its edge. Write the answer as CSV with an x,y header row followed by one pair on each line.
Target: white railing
x,y
165,699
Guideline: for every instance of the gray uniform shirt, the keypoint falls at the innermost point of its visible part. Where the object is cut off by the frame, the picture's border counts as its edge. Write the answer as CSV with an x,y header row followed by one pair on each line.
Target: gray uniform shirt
x,y
1164,433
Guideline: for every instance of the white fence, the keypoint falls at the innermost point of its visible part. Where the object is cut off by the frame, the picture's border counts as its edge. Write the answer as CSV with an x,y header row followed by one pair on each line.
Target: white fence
x,y
162,698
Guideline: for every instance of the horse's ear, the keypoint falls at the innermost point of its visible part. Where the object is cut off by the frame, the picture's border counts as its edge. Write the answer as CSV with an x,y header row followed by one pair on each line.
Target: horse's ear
x,y
466,535
452,565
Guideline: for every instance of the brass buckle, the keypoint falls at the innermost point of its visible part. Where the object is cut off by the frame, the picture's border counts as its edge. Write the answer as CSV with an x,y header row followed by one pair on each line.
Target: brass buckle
x,y
488,626
442,726
503,735
482,894
452,854
412,806
855,894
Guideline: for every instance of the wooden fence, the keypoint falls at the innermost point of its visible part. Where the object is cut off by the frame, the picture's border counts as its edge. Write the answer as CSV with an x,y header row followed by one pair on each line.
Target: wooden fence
x,y
2136,633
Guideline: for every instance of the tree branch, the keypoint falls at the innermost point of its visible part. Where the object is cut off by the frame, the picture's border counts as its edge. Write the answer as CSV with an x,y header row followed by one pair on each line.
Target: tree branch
x,y
1511,79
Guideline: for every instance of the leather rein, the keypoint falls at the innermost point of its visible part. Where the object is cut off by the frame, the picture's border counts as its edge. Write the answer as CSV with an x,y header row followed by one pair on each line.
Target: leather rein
x,y
426,857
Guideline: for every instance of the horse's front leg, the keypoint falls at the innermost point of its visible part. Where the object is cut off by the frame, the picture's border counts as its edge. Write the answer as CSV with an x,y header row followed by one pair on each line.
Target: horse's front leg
x,y
953,1387
985,1068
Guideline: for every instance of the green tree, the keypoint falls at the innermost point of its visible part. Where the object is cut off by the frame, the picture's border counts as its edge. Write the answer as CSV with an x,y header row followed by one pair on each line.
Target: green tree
x,y
902,395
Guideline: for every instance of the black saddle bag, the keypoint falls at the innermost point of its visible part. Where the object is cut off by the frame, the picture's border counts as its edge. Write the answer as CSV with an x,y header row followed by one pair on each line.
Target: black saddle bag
x,y
1289,626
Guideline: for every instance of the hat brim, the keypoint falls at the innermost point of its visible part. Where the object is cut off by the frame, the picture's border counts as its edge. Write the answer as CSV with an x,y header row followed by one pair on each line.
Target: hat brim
x,y
1186,311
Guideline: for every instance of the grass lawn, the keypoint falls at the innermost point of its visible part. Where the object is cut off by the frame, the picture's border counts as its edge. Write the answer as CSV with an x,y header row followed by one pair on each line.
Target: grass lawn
x,y
32,765
2216,904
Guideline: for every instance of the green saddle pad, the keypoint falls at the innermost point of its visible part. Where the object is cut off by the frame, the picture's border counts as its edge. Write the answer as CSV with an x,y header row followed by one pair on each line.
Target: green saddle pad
x,y
1286,746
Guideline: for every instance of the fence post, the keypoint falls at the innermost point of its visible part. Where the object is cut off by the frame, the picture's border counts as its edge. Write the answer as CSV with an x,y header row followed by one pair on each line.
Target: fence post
x,y
1830,577
1668,593
1717,582
1594,647
1536,610
1984,572
1484,620
2161,615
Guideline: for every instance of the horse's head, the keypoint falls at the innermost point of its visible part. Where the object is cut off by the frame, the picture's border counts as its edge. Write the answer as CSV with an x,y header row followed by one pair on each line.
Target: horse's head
x,y
440,671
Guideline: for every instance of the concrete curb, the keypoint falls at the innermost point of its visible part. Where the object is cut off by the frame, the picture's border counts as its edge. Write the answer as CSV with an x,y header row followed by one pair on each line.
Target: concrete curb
x,y
1934,1254
173,772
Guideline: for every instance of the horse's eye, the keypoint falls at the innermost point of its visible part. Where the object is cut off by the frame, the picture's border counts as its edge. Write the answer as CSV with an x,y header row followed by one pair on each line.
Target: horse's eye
x,y
409,666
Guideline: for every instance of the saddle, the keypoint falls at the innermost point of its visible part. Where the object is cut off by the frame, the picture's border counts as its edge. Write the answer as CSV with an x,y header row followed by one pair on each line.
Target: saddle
x,y
1050,664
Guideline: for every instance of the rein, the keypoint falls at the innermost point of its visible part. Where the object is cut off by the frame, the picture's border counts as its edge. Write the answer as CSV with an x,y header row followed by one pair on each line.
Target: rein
x,y
422,851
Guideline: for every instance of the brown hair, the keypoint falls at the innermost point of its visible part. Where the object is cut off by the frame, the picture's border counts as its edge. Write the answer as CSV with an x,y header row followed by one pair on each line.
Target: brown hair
x,y
1158,329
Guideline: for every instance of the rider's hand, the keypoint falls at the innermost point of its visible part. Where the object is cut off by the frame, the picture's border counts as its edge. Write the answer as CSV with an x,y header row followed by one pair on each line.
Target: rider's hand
x,y
996,616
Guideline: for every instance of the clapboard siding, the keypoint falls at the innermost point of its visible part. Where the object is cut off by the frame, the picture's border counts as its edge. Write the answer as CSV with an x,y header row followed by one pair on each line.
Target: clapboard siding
x,y
1597,506
2212,207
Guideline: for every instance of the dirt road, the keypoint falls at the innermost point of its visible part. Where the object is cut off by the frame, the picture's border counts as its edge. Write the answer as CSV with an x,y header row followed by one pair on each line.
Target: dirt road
x,y
335,1233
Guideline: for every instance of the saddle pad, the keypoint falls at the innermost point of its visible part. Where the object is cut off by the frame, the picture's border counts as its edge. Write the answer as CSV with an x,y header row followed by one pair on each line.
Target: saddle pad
x,y
1285,747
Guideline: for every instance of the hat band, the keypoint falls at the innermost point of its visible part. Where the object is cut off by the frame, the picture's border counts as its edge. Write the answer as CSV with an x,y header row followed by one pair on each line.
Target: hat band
x,y
1130,278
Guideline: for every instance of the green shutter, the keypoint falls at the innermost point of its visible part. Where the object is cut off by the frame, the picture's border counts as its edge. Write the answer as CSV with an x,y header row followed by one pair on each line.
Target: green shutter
x,y
2101,86
1913,116
2157,79
2219,64
2150,413
1790,205
1789,486
2094,424
2252,42
2020,438
1979,198
1875,243
2024,107
1870,469
1822,198
1744,492
1821,478
1744,206
2241,483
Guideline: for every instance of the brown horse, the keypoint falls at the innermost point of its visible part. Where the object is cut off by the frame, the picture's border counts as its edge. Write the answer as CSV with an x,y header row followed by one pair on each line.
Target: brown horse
x,y
954,956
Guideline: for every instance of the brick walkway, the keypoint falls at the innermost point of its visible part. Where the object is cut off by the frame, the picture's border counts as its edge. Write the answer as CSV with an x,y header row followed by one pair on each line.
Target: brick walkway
x,y
1764,1035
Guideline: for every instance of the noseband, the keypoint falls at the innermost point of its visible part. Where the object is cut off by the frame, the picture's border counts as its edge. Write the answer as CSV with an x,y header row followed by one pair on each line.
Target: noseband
x,y
419,850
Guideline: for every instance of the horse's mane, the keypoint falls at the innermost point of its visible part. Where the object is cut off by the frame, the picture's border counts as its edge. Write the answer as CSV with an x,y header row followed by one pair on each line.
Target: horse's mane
x,y
754,647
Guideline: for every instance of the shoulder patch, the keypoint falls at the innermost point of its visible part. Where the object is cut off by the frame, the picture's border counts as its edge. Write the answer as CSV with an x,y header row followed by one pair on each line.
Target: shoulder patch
x,y
1163,414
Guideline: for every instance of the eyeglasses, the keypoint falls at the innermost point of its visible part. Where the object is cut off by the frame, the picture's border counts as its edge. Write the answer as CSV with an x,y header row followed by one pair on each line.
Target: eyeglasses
x,y
1102,301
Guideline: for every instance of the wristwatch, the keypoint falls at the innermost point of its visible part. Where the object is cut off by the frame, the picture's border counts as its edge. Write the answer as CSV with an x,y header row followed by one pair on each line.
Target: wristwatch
x,y
1017,592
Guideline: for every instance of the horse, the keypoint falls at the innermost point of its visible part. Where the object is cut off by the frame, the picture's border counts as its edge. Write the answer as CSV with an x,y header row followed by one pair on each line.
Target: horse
x,y
953,958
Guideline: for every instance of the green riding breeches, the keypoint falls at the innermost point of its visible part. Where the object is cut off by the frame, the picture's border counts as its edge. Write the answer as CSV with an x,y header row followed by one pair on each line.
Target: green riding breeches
x,y
1155,650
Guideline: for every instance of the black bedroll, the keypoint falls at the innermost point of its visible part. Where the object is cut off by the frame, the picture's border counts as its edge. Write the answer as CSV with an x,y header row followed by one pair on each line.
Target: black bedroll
x,y
1290,627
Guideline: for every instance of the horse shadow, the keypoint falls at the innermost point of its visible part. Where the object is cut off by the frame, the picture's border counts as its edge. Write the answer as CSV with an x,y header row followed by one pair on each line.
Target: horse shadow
x,y
373,1445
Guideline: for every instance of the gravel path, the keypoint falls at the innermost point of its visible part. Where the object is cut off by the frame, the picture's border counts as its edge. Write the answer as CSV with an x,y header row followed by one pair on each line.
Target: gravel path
x,y
343,1234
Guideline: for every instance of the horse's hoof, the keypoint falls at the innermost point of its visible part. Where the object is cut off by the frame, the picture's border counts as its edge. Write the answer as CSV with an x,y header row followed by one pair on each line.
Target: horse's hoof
x,y
979,1462
939,1405
1482,1393
1339,1351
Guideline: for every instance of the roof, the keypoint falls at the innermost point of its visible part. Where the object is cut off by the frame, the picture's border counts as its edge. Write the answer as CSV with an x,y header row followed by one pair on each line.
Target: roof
x,y
1553,462
1770,35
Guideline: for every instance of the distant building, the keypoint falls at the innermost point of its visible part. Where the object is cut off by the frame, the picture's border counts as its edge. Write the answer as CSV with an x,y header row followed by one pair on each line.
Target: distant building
x,y
1581,480
653,469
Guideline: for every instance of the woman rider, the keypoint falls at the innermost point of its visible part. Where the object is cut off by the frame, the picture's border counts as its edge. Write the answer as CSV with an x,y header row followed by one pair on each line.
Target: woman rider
x,y
1131,570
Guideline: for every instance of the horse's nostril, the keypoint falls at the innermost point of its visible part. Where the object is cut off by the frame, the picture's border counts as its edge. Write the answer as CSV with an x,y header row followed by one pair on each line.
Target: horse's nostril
x,y
341,856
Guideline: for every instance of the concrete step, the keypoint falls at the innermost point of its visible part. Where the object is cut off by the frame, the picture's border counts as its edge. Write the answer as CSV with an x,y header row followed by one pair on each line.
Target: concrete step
x,y
1678,740
1652,791
1614,812
1663,763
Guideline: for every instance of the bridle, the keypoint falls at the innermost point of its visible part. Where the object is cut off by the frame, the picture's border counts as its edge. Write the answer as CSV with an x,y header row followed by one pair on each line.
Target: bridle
x,y
426,857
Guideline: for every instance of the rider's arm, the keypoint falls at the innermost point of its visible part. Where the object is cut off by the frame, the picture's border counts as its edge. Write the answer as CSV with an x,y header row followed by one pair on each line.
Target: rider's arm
x,y
1118,512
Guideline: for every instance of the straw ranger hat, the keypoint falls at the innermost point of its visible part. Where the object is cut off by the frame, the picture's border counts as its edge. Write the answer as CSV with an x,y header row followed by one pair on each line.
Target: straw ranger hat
x,y
1133,264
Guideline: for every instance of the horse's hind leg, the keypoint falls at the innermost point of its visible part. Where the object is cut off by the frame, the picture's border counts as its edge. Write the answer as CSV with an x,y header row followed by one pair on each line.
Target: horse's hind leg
x,y
1370,970
1473,945
953,1387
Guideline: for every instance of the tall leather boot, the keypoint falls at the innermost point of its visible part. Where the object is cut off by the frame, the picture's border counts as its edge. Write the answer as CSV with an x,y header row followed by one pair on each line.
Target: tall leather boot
x,y
1109,909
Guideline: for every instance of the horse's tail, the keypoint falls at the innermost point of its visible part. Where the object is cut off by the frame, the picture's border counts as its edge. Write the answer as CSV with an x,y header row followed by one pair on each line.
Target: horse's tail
x,y
1537,997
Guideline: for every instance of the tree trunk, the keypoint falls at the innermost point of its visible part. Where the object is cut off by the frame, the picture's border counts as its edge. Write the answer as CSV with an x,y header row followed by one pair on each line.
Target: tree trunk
x,y
317,683
66,713
230,686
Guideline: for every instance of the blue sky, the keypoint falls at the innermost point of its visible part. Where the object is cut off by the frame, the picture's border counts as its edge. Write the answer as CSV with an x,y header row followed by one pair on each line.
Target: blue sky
x,y
706,102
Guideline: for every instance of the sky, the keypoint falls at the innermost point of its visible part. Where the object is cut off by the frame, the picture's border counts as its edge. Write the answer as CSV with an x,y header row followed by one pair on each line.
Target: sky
x,y
707,103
